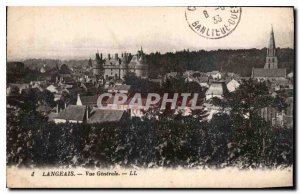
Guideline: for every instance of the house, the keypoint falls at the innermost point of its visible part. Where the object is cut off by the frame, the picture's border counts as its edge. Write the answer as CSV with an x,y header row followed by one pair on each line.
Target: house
x,y
67,80
216,89
203,81
19,87
158,81
38,87
125,89
216,75
112,106
88,87
103,115
290,75
272,115
53,113
289,112
44,109
12,90
40,83
232,75
232,85
211,110
72,114
43,69
135,109
57,97
188,73
170,75
52,88
66,86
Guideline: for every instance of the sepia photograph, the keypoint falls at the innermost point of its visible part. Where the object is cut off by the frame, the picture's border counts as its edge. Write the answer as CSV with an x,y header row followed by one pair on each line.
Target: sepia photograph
x,y
150,97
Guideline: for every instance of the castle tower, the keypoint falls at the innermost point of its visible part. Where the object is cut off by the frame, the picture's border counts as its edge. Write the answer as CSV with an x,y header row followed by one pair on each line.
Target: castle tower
x,y
271,59
98,64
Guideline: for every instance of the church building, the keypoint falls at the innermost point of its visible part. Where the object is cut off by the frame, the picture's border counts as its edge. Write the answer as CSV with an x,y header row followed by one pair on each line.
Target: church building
x,y
270,70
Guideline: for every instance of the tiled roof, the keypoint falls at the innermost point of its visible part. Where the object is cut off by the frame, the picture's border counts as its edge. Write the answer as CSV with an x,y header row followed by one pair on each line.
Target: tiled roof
x,y
136,62
52,116
111,100
72,112
68,80
112,61
120,87
261,72
89,100
101,116
43,108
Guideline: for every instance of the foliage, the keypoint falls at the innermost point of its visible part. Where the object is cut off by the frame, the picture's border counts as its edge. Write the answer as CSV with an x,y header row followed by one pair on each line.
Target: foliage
x,y
64,69
184,141
140,85
225,60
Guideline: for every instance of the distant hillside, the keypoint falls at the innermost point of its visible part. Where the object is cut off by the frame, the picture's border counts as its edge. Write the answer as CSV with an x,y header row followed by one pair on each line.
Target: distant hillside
x,y
238,61
34,64
17,72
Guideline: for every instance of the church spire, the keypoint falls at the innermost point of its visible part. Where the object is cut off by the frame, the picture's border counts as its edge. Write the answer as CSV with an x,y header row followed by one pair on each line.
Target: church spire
x,y
78,103
272,46
271,59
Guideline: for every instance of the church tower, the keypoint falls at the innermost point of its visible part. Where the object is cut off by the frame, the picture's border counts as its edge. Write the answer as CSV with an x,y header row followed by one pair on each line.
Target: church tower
x,y
271,59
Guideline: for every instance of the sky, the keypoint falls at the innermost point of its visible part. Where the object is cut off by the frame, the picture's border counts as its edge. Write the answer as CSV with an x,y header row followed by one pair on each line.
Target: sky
x,y
79,32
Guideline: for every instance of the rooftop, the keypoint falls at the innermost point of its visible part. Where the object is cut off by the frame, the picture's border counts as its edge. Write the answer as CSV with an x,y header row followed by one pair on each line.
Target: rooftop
x,y
89,100
101,116
261,72
72,112
120,87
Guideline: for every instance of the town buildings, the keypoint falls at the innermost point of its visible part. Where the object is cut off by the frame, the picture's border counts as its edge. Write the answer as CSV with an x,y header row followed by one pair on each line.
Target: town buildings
x,y
76,90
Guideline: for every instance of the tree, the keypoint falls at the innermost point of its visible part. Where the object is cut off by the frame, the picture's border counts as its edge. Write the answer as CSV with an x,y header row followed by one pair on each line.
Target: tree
x,y
46,97
253,138
140,85
247,101
64,69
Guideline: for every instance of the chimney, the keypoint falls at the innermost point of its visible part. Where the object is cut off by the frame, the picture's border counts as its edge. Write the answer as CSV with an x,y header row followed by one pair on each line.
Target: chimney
x,y
116,56
57,110
87,112
100,55
108,56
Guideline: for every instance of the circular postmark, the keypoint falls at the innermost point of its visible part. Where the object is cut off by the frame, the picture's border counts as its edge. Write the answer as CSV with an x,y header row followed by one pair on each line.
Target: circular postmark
x,y
213,22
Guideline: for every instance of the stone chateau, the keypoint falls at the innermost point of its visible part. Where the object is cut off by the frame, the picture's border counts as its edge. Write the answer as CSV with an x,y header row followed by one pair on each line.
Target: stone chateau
x,y
116,67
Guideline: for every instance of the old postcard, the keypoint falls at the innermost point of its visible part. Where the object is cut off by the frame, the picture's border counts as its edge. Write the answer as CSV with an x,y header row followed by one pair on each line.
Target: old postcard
x,y
150,97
